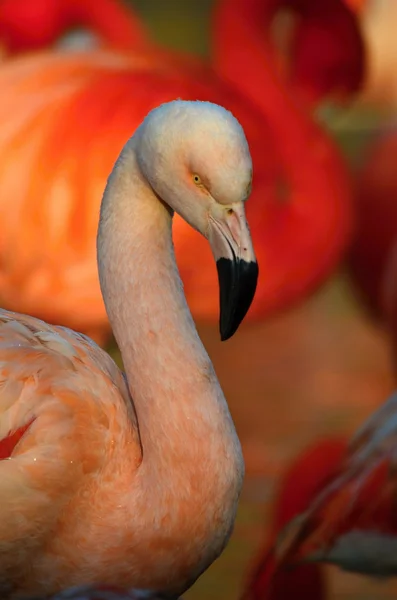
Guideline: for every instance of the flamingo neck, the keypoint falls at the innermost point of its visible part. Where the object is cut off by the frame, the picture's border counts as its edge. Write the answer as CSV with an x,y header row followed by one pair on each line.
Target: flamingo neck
x,y
111,20
245,52
190,446
244,58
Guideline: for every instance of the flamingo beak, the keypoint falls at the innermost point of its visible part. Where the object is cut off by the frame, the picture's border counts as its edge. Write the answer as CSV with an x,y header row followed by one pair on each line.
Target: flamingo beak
x,y
231,245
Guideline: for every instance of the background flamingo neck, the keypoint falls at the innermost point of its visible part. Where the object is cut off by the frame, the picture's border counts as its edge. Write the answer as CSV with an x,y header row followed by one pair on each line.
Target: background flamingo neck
x,y
115,24
182,413
243,58
239,34
323,53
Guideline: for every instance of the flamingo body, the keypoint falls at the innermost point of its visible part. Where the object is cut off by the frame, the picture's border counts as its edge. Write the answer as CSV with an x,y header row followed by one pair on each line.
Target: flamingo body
x,y
88,494
7,444
54,382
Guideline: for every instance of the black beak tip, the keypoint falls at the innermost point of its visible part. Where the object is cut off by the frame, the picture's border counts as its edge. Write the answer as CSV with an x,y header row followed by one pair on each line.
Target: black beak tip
x,y
227,328
237,285
225,335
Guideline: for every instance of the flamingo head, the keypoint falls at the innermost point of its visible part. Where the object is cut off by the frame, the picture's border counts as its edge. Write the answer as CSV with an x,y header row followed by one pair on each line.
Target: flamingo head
x,y
205,149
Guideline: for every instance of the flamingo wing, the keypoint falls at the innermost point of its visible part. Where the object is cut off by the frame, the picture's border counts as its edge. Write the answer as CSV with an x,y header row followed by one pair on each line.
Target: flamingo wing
x,y
353,520
63,402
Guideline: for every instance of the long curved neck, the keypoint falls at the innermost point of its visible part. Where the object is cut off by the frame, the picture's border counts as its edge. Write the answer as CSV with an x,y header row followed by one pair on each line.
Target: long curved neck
x,y
176,393
247,64
117,25
242,57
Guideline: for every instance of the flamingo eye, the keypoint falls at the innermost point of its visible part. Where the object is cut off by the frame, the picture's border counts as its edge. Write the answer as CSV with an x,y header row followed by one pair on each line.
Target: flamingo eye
x,y
197,179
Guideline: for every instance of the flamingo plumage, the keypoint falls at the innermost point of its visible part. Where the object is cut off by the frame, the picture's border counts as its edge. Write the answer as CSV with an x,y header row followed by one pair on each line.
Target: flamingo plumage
x,y
351,521
132,480
322,53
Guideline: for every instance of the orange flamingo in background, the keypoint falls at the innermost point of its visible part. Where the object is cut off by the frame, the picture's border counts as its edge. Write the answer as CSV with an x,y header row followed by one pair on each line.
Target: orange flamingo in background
x,y
300,201
322,55
34,24
301,483
109,481
351,522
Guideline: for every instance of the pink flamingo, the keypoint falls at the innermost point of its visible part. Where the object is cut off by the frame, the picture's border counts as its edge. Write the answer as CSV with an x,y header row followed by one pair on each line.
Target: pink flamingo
x,y
132,481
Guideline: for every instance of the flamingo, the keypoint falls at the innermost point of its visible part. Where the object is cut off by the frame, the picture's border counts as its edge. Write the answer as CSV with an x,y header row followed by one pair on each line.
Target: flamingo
x,y
65,101
132,480
299,485
34,24
351,521
323,53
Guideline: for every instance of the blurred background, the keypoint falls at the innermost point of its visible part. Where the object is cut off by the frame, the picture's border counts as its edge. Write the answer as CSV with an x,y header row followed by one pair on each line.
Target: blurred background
x,y
315,86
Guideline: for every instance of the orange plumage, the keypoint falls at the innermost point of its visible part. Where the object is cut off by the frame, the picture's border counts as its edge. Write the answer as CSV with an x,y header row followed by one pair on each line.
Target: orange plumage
x,y
9,443
63,133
